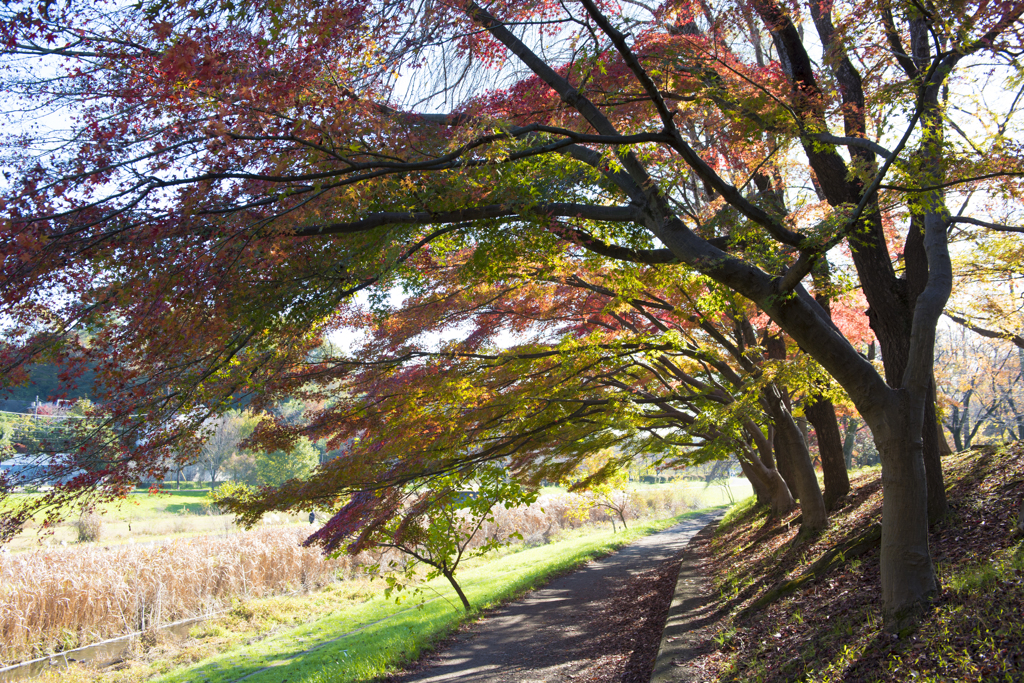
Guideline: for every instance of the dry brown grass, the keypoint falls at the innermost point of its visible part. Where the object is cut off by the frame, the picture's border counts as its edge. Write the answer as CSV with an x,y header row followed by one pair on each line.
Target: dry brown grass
x,y
58,598
55,599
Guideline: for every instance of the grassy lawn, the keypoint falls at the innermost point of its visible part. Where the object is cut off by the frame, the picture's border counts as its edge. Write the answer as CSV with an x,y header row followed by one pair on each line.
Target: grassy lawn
x,y
143,517
350,632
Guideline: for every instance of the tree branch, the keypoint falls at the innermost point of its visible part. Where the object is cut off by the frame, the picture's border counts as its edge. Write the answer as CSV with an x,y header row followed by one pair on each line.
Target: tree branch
x,y
986,224
377,220
1015,339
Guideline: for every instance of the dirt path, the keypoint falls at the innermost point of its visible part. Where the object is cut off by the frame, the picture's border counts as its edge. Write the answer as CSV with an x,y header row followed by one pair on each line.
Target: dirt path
x,y
600,623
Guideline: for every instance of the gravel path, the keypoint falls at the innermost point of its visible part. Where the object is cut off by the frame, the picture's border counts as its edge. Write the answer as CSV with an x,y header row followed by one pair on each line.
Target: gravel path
x,y
601,623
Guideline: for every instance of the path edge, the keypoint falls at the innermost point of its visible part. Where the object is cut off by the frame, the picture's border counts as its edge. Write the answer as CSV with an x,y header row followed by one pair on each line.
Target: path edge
x,y
677,641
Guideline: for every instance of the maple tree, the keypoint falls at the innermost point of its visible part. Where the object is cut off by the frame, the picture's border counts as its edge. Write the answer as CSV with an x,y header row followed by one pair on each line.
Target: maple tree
x,y
669,376
437,524
230,173
603,486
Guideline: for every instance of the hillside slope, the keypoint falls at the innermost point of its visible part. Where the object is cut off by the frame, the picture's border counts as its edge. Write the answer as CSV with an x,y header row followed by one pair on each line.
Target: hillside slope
x,y
787,612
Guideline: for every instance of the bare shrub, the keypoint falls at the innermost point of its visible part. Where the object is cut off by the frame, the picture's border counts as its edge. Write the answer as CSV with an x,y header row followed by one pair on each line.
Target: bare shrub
x,y
89,526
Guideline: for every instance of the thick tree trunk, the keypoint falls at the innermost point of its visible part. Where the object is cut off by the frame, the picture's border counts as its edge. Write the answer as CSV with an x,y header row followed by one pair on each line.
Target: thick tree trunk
x,y
784,464
908,576
793,451
805,430
822,415
938,507
781,497
767,482
901,428
757,483
917,279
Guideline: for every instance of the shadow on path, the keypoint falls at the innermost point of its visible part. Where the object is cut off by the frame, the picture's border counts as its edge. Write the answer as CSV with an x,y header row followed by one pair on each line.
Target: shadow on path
x,y
548,635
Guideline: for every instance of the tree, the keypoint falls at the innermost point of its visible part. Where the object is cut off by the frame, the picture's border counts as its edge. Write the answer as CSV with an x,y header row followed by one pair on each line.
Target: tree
x,y
440,528
226,432
222,156
274,468
978,380
604,485
656,375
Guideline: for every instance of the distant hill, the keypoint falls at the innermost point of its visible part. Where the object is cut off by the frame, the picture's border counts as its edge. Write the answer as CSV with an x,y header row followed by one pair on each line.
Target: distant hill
x,y
44,384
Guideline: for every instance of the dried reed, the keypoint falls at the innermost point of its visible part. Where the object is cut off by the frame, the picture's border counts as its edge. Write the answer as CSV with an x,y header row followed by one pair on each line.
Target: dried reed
x,y
59,598
55,599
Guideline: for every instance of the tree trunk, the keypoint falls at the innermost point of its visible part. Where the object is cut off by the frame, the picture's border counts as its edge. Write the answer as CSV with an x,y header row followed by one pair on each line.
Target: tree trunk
x,y
784,465
767,482
848,440
944,448
965,422
908,576
954,429
805,430
917,280
458,589
822,415
781,498
938,507
756,482
794,451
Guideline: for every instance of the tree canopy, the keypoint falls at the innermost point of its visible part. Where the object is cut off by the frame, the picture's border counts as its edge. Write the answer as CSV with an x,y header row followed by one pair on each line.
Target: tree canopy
x,y
195,189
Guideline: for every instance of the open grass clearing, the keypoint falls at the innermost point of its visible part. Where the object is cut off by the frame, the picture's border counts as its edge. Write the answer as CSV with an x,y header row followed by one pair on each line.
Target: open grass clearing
x,y
144,517
299,635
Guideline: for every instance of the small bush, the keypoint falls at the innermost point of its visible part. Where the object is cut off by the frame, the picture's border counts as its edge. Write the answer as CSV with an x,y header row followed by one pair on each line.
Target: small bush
x,y
89,526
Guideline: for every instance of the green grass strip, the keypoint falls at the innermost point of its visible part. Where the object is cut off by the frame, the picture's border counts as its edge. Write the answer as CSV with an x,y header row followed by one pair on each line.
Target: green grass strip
x,y
383,635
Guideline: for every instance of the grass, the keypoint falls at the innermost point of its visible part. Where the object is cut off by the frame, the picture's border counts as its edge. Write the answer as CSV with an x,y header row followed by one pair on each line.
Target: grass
x,y
62,598
333,636
145,516
144,504
830,629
